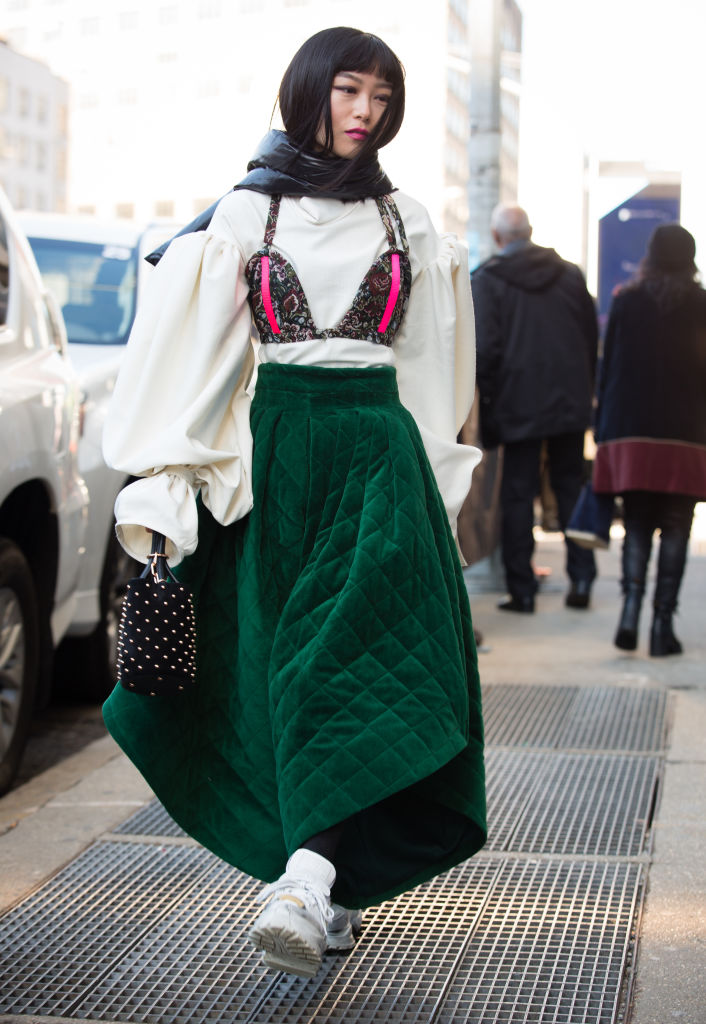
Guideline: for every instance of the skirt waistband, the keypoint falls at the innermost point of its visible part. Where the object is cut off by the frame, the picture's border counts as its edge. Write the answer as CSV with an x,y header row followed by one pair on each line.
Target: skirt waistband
x,y
324,385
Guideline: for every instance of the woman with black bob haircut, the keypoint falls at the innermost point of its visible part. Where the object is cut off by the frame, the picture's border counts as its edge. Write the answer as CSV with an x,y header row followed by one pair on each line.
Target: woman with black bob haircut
x,y
305,90
290,400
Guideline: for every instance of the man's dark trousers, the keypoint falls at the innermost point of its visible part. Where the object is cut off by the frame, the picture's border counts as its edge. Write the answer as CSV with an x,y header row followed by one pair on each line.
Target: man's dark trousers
x,y
520,485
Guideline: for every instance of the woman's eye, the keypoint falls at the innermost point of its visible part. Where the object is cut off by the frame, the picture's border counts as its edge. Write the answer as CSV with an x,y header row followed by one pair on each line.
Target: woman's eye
x,y
383,99
345,88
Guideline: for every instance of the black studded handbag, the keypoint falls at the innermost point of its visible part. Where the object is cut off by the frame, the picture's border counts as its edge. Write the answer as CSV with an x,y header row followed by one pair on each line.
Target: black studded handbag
x,y
157,632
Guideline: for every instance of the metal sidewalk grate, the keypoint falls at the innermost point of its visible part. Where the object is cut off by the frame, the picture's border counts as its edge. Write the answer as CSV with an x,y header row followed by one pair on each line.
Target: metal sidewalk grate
x,y
611,718
532,941
151,820
510,777
525,716
550,946
569,804
567,717
194,965
57,943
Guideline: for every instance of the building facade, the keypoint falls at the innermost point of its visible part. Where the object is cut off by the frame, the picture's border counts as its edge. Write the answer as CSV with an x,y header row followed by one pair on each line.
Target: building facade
x,y
496,50
170,98
34,117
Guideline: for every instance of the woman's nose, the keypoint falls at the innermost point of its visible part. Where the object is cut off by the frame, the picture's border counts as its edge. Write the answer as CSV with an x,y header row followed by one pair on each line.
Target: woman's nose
x,y
362,107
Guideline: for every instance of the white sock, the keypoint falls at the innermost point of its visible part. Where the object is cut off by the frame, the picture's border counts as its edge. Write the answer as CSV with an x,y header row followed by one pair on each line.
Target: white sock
x,y
308,866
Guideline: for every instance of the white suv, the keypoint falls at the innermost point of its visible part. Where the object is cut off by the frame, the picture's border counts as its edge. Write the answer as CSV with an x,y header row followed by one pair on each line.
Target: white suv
x,y
96,271
42,497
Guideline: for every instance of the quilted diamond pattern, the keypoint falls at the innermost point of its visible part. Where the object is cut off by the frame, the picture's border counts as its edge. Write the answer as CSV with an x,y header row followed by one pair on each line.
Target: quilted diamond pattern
x,y
337,675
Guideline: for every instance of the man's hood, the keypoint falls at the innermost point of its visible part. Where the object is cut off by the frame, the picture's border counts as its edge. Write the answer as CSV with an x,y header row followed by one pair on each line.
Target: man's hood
x,y
532,267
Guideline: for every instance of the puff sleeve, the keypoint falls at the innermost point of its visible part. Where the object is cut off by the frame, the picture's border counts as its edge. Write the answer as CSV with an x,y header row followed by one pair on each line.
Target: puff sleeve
x,y
435,357
179,415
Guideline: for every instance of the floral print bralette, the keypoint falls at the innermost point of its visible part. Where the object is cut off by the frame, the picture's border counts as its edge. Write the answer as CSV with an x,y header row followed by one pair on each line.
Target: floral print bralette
x,y
280,307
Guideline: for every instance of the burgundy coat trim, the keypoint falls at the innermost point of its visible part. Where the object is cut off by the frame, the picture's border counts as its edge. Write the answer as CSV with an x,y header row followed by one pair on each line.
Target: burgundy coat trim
x,y
644,464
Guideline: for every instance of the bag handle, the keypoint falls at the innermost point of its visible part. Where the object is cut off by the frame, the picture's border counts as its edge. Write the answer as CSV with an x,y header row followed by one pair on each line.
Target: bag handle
x,y
157,564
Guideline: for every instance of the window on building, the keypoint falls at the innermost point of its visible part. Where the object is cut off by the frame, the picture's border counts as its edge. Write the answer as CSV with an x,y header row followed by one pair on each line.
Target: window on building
x,y
87,209
40,201
164,208
125,211
42,109
4,94
23,150
25,102
61,165
41,156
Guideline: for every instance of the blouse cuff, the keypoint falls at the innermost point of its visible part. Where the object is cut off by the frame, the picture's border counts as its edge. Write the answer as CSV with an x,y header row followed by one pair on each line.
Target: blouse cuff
x,y
165,503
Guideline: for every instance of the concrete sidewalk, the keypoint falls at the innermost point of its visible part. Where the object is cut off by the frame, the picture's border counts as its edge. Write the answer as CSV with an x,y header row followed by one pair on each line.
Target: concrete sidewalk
x,y
45,824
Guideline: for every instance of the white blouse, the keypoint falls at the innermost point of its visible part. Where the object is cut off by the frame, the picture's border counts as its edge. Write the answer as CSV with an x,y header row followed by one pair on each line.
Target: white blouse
x,y
179,415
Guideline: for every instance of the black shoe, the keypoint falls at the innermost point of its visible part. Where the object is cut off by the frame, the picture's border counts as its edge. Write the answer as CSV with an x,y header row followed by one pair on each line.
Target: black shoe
x,y
579,594
626,634
517,604
662,638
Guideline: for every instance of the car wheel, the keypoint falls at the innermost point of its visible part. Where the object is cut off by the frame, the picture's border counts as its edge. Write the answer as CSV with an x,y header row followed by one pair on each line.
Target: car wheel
x,y
86,666
19,658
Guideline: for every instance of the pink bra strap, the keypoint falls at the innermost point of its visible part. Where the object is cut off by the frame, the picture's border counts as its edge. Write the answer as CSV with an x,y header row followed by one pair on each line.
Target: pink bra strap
x,y
266,295
394,292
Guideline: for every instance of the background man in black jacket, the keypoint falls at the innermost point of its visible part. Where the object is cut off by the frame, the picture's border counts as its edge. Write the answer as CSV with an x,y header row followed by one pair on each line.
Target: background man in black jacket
x,y
537,340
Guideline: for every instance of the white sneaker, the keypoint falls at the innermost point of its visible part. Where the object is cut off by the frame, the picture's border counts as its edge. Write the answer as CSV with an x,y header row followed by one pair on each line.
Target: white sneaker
x,y
291,930
343,928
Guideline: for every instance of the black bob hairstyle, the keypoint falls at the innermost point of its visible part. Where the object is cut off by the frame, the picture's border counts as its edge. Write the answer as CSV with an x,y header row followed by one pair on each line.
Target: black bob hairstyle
x,y
305,90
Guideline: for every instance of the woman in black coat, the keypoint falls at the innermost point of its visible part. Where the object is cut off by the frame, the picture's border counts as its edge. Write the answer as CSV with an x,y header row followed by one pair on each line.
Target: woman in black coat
x,y
651,425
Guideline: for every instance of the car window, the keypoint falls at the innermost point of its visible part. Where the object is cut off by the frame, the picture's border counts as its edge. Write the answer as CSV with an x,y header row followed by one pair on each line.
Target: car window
x,y
4,273
93,284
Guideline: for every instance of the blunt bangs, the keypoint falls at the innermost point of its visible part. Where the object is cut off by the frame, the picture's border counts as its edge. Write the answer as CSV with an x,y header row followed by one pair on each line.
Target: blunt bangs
x,y
370,55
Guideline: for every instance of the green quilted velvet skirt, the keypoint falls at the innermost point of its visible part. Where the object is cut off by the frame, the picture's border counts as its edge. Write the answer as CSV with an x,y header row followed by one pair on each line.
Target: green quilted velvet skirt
x,y
337,676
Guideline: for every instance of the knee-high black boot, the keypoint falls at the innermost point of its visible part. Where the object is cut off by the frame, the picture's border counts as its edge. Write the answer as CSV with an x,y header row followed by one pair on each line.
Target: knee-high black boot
x,y
670,569
636,554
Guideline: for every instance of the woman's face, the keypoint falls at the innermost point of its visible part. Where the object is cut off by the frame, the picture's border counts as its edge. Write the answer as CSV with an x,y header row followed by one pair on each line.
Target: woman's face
x,y
358,101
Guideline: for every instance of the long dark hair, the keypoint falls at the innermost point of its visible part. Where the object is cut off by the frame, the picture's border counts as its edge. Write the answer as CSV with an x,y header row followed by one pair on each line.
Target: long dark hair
x,y
668,271
305,90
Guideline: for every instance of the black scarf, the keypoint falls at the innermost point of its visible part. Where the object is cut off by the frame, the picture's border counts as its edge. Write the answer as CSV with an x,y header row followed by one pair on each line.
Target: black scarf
x,y
280,167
